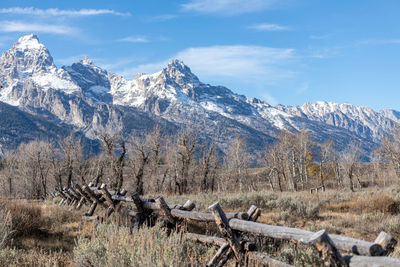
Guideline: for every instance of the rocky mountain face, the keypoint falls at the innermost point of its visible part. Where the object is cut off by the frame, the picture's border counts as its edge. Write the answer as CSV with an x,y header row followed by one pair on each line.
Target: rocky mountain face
x,y
87,99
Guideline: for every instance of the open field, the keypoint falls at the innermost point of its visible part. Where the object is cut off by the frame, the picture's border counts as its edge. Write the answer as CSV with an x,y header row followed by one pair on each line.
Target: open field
x,y
46,235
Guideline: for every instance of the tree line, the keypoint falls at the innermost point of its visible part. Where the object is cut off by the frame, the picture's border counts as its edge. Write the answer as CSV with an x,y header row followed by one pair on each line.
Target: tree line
x,y
182,164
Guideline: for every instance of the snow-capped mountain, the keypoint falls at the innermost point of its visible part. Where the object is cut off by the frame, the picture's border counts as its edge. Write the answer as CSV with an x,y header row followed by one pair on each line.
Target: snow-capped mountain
x,y
89,99
362,121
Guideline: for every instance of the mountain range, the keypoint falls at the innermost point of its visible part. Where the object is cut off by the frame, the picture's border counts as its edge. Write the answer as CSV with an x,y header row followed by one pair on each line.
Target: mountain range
x,y
39,99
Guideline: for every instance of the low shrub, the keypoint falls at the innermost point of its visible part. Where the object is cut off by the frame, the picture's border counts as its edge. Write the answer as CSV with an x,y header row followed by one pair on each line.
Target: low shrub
x,y
114,246
26,217
293,207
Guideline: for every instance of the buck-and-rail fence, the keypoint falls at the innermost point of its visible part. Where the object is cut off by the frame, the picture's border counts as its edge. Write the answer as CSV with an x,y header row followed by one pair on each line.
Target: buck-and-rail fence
x,y
234,228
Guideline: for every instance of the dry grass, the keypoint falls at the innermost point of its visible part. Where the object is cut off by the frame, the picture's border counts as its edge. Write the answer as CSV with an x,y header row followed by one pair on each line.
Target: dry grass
x,y
362,214
114,246
44,234
52,236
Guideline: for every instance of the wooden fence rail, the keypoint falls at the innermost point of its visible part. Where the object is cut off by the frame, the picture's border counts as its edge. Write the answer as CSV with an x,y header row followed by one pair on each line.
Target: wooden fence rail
x,y
232,226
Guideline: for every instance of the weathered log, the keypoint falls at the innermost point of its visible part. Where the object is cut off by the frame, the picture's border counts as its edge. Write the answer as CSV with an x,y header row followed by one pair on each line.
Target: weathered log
x,y
204,239
253,213
107,196
357,261
82,193
218,256
251,210
63,195
138,203
140,216
163,206
386,241
205,217
72,203
343,243
223,225
261,259
74,193
68,194
80,203
92,209
94,197
326,248
225,258
189,205
357,246
90,218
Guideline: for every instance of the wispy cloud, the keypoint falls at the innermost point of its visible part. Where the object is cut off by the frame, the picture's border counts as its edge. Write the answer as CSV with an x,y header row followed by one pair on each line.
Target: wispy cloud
x,y
135,39
235,62
269,98
228,7
18,26
303,88
68,60
60,12
269,27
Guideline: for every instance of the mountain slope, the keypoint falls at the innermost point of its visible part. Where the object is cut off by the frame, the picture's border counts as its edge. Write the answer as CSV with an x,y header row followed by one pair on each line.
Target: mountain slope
x,y
91,100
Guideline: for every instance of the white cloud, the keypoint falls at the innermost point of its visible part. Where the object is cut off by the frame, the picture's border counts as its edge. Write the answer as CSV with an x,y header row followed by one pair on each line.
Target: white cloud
x,y
135,39
303,88
244,62
59,12
251,64
17,26
269,27
228,7
131,72
269,99
68,60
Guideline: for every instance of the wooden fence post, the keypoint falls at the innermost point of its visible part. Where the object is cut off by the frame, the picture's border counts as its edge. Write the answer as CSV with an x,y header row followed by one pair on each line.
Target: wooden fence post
x,y
327,249
189,205
165,210
386,241
253,213
218,256
223,225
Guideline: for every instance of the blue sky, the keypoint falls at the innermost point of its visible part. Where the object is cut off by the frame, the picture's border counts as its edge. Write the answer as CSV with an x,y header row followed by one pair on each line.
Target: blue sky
x,y
281,51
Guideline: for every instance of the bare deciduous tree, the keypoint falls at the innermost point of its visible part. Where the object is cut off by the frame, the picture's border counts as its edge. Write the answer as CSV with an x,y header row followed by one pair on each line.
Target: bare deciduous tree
x,y
114,144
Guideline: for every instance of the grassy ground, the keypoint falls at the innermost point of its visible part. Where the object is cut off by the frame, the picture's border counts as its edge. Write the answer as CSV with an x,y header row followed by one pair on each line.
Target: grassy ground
x,y
44,234
361,214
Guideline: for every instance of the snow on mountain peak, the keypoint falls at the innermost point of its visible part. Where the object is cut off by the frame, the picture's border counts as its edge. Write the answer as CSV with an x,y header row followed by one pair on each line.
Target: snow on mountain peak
x,y
28,42
86,61
177,63
177,71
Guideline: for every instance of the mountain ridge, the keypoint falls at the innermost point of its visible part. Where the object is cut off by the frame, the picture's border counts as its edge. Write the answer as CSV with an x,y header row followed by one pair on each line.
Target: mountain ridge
x,y
92,100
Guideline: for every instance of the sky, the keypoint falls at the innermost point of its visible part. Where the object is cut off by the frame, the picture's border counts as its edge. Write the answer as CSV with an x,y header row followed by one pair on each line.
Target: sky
x,y
282,51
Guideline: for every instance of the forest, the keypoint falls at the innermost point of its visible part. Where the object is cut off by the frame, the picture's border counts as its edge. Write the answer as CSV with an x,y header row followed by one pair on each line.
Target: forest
x,y
182,164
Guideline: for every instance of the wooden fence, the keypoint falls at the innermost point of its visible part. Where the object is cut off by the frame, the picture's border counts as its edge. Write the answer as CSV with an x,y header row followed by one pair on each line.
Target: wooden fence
x,y
234,229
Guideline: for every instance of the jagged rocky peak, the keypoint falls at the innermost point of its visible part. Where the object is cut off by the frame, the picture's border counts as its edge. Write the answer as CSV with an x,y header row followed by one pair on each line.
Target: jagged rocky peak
x,y
27,55
177,70
86,61
28,42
